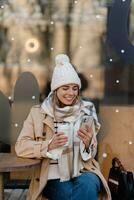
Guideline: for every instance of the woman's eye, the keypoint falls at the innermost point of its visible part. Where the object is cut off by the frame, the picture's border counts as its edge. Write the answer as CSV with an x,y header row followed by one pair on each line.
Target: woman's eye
x,y
75,89
65,88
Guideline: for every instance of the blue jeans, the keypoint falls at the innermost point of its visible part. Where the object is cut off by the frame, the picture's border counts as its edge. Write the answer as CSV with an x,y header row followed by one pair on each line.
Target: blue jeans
x,y
84,187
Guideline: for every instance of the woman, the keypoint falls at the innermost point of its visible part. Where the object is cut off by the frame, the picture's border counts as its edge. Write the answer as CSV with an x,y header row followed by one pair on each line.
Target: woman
x,y
62,133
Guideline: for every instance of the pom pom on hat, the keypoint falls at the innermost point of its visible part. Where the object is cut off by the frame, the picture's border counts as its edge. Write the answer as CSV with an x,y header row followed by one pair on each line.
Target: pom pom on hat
x,y
61,59
64,73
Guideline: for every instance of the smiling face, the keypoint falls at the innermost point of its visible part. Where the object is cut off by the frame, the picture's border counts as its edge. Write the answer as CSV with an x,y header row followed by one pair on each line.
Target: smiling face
x,y
67,94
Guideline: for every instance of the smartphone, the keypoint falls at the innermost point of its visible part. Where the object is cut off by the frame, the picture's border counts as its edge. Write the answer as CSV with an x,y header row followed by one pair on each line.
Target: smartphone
x,y
87,121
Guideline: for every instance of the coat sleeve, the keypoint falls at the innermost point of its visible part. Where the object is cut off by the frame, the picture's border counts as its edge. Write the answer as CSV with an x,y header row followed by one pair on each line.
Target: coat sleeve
x,y
27,145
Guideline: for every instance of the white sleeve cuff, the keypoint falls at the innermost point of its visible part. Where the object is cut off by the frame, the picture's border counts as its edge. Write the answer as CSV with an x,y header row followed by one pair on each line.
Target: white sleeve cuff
x,y
84,154
51,156
55,153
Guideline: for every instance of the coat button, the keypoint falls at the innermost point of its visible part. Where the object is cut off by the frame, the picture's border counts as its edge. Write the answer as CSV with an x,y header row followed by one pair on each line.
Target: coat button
x,y
92,168
37,179
43,133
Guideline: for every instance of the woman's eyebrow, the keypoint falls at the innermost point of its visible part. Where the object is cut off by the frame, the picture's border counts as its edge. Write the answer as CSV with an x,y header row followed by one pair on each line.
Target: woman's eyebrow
x,y
65,87
74,87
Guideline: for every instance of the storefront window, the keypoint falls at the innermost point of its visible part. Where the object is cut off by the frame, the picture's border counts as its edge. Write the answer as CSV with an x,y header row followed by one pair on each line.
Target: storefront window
x,y
31,34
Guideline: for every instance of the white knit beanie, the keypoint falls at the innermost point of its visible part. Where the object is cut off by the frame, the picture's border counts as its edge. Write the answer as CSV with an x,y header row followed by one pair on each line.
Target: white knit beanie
x,y
64,73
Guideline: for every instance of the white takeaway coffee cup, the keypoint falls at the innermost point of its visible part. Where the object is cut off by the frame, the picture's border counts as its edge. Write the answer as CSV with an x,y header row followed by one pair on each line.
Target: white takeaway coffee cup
x,y
64,127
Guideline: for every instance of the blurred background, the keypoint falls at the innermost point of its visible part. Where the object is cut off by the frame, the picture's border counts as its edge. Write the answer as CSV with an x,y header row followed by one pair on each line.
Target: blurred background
x,y
32,32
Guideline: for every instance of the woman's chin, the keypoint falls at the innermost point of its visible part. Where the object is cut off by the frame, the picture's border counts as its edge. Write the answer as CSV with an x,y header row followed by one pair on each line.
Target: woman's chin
x,y
68,103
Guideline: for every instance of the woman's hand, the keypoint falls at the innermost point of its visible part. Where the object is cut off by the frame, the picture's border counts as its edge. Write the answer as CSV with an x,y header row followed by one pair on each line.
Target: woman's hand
x,y
85,134
59,139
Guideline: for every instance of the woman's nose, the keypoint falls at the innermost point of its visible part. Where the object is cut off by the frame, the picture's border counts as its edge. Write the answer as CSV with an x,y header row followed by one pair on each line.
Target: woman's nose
x,y
71,92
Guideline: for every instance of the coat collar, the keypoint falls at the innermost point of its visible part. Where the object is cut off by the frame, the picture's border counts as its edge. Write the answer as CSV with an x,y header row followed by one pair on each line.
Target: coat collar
x,y
46,119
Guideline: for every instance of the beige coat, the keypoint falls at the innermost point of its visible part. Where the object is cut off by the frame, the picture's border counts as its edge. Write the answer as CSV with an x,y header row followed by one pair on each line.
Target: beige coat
x,y
33,142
